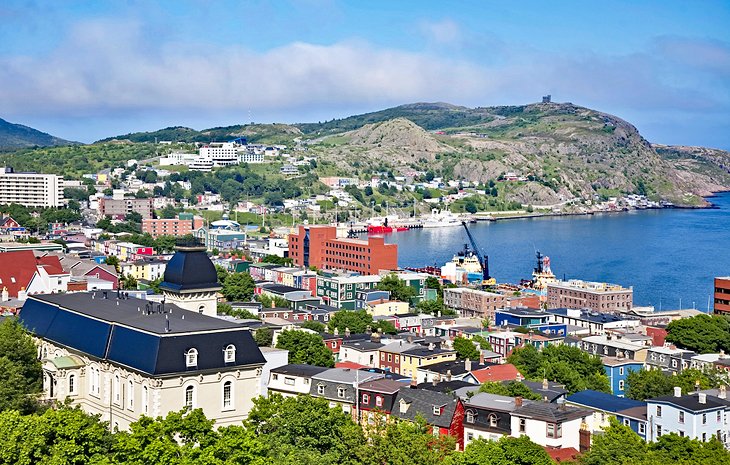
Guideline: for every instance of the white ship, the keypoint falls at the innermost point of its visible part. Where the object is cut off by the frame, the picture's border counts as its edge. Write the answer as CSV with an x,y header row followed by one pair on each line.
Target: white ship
x,y
441,219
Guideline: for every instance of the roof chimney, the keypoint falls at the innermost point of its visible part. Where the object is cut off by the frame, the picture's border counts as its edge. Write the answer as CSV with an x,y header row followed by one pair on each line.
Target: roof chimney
x,y
723,392
414,382
435,380
702,398
347,332
467,364
448,375
677,391
518,401
545,384
481,357
431,346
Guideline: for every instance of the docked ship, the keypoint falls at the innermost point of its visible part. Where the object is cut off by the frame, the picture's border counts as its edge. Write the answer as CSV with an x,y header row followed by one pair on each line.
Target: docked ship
x,y
542,274
380,226
441,219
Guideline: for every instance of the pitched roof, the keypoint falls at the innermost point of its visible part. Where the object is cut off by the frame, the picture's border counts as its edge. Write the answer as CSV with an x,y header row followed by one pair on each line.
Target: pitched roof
x,y
505,372
493,401
422,402
385,386
455,367
553,391
567,454
692,402
299,370
603,401
18,267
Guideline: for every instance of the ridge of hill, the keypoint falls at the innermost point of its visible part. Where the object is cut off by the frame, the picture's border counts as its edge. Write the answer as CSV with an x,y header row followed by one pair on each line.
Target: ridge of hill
x,y
14,136
259,133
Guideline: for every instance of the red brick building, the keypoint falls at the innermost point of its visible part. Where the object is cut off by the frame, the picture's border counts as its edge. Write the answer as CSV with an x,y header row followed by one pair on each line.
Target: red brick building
x,y
319,246
722,296
185,223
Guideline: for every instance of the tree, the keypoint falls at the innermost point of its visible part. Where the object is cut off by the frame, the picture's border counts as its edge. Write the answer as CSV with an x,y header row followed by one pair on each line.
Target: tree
x,y
702,333
222,274
510,389
465,349
304,429
506,451
314,326
406,443
133,217
20,369
113,260
434,307
618,444
225,309
646,384
129,282
306,348
471,207
398,289
432,282
238,287
263,336
354,321
482,341
567,365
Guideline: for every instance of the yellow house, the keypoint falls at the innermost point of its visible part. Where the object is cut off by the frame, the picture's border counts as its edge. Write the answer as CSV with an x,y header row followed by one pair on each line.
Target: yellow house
x,y
423,356
382,307
147,270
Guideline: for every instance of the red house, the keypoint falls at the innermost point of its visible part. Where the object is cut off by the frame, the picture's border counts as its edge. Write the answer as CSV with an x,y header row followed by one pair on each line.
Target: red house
x,y
441,411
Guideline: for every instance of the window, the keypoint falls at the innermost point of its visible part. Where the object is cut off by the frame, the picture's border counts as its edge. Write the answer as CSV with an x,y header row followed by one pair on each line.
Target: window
x,y
551,433
681,416
658,431
117,390
681,434
704,418
674,364
274,376
642,428
378,401
145,400
704,437
470,416
469,436
621,371
365,399
289,381
230,353
621,385
130,394
320,389
189,394
72,384
227,395
719,416
390,357
493,420
436,410
191,358
522,425
341,392
659,410
382,356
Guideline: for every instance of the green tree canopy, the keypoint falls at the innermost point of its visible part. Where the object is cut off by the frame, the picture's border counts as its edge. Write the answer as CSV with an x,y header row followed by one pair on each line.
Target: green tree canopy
x,y
567,365
506,451
398,288
314,326
618,444
20,369
264,336
238,287
510,389
702,333
305,347
465,349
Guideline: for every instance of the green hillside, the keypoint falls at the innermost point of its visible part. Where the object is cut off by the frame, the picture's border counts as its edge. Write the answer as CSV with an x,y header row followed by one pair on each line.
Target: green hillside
x,y
13,136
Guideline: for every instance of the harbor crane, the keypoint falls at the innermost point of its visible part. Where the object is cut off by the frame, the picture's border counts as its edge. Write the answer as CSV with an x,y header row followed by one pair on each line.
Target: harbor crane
x,y
487,281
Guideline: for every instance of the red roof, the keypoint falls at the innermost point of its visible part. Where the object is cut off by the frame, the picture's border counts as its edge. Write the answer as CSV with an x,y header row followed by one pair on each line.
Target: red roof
x,y
567,454
506,372
351,365
18,267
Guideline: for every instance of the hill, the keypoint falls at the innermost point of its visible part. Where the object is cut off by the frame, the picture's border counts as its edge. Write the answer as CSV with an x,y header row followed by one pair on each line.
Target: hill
x,y
14,136
564,152
258,133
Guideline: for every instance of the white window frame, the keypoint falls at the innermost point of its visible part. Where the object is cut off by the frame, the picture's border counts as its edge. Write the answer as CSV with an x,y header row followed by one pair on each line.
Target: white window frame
x,y
227,389
189,396
130,394
72,384
191,358
229,353
341,391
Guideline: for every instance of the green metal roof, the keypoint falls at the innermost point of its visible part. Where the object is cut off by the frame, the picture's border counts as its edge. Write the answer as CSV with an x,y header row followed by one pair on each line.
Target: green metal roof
x,y
66,362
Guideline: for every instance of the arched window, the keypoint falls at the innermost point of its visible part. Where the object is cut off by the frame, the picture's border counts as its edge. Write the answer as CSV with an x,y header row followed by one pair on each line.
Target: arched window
x,y
227,395
493,420
72,384
201,309
130,394
117,389
189,396
145,400
191,358
469,416
230,353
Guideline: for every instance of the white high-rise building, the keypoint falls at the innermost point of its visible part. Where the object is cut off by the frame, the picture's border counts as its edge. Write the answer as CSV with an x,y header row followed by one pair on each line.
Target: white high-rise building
x,y
222,153
30,189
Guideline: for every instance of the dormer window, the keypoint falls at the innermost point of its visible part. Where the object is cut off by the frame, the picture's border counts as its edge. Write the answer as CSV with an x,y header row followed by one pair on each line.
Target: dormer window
x,y
320,389
437,410
191,358
470,416
230,353
404,406
341,392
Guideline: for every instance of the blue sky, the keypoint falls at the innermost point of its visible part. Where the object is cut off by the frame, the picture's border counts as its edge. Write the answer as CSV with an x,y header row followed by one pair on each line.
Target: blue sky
x,y
87,70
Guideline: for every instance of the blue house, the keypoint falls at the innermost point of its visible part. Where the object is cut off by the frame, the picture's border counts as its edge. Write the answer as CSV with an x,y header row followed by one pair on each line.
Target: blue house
x,y
617,370
520,317
631,413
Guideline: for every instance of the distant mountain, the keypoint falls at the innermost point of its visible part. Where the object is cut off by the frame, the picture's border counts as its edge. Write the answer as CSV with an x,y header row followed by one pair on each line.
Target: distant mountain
x,y
14,136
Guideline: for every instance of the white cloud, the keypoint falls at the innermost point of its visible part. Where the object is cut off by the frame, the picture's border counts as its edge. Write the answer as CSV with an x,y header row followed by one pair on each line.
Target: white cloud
x,y
441,32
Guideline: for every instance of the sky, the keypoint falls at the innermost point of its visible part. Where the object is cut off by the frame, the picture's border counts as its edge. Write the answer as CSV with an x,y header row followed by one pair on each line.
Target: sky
x,y
87,70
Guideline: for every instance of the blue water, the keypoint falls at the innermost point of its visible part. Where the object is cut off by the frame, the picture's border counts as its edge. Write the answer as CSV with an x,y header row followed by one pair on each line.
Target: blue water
x,y
666,255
